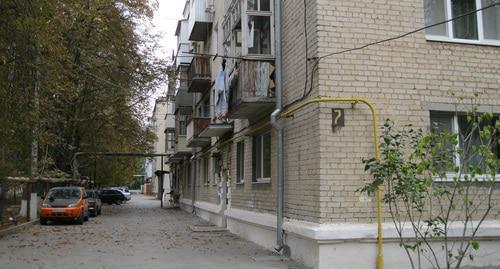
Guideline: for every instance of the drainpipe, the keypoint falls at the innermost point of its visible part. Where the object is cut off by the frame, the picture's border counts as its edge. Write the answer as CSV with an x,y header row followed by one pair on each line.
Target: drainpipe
x,y
193,181
354,102
193,160
279,127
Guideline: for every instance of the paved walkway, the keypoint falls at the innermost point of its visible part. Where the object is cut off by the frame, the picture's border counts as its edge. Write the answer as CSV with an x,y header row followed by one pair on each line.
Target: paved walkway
x,y
135,235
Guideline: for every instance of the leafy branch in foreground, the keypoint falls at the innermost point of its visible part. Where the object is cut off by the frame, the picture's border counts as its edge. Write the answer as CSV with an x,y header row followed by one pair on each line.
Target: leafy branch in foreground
x,y
438,186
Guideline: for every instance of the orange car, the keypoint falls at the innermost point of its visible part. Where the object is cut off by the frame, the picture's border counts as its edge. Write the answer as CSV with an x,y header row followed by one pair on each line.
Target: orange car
x,y
65,203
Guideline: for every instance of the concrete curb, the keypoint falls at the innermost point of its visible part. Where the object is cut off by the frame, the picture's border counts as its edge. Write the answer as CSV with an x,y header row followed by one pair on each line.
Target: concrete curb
x,y
17,227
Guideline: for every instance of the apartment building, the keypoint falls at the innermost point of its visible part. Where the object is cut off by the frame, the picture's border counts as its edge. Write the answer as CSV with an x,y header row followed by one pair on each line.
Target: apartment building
x,y
225,157
157,170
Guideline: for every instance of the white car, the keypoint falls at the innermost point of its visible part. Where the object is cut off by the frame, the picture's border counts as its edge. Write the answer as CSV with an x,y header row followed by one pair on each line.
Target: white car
x,y
125,192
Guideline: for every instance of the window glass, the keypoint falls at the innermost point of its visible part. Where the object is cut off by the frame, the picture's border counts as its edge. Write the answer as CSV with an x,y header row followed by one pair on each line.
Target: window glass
x,y
252,5
182,125
259,35
64,194
240,160
205,170
217,168
443,122
266,155
465,27
265,5
262,157
471,136
206,108
258,155
435,11
491,20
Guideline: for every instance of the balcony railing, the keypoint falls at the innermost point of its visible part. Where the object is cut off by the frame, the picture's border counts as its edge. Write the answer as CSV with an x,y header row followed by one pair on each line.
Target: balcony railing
x,y
200,20
253,98
194,128
199,75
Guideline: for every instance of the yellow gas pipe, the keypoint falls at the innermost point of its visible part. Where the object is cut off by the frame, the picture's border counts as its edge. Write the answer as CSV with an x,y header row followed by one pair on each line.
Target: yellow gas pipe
x,y
354,101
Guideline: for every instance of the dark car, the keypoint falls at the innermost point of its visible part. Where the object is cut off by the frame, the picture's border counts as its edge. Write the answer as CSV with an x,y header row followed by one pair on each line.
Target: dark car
x,y
111,196
94,201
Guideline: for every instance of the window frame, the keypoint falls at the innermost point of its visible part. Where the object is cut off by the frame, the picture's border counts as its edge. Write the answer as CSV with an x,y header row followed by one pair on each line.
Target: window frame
x,y
183,123
455,128
170,140
449,27
240,162
244,27
259,178
240,8
206,173
217,170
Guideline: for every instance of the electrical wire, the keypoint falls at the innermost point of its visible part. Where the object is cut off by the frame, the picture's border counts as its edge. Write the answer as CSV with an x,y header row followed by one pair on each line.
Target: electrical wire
x,y
306,48
408,33
222,56
317,59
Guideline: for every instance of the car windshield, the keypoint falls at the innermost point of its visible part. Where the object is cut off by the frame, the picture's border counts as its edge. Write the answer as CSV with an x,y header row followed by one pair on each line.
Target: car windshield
x,y
64,194
109,191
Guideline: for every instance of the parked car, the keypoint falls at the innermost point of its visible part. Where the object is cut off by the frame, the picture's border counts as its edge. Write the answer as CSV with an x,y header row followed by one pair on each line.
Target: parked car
x,y
125,192
65,203
94,201
112,196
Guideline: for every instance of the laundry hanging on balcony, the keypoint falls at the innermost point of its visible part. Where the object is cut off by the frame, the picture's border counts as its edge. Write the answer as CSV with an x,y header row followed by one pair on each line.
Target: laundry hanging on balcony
x,y
221,94
251,33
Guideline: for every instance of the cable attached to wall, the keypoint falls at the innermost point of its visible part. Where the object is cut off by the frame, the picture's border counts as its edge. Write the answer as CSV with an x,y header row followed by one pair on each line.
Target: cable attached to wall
x,y
318,59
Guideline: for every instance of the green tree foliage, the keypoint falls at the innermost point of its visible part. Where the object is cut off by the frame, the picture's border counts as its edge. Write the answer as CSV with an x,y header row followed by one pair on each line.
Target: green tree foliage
x,y
95,73
439,186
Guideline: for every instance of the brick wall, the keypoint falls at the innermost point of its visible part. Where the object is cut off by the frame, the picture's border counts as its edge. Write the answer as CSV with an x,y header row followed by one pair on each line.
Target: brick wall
x,y
403,78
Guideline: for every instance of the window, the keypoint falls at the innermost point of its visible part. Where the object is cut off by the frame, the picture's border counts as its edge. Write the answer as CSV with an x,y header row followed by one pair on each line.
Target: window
x,y
170,140
182,125
261,5
217,166
206,178
458,124
206,108
259,35
240,162
480,27
262,157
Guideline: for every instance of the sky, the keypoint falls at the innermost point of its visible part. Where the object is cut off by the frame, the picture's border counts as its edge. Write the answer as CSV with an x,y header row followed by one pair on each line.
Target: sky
x,y
164,24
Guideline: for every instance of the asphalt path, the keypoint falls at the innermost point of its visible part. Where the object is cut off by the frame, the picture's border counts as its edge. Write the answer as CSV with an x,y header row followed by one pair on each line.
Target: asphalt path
x,y
137,234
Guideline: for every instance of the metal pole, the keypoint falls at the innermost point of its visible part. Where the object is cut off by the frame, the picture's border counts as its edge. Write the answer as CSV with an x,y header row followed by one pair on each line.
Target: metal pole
x,y
161,184
279,128
95,171
28,204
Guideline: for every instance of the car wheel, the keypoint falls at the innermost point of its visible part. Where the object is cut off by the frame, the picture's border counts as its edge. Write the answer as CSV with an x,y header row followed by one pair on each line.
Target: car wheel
x,y
110,203
80,219
86,218
43,221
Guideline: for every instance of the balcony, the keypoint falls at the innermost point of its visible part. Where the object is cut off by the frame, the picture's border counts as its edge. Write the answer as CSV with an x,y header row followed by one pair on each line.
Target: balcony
x,y
181,151
183,76
183,44
199,75
183,99
253,98
200,19
216,129
194,128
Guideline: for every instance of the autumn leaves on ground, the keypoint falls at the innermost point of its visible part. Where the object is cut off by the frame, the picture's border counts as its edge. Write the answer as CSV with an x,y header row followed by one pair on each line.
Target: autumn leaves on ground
x,y
137,234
